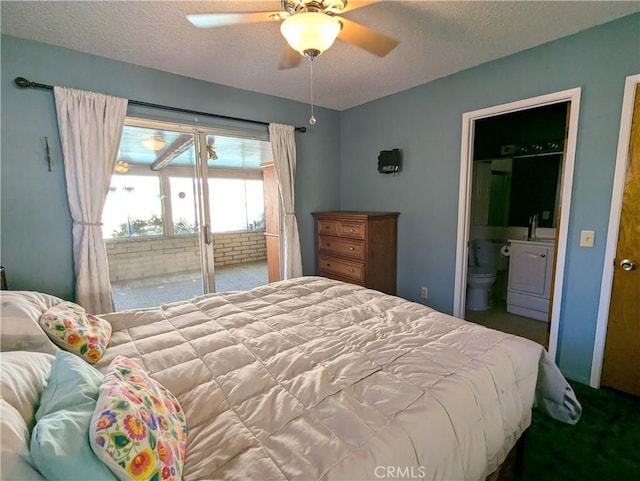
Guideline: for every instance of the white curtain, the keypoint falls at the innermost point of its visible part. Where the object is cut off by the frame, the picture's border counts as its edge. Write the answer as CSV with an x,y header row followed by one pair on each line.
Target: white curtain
x,y
90,126
283,145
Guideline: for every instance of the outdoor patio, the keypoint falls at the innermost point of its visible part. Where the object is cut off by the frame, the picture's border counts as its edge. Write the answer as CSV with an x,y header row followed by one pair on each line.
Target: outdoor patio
x,y
154,291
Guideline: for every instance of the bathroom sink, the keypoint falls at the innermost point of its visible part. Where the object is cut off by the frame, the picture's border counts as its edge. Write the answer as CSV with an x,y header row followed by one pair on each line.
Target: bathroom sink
x,y
539,240
546,240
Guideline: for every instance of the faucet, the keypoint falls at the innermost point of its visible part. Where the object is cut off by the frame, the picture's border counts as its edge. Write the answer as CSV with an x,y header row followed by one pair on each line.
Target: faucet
x,y
533,225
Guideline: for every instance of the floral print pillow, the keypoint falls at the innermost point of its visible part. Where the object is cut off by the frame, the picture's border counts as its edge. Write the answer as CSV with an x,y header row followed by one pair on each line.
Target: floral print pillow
x,y
74,330
138,428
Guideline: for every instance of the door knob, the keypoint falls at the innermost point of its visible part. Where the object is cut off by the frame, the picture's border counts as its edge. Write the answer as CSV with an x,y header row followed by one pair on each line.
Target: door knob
x,y
627,264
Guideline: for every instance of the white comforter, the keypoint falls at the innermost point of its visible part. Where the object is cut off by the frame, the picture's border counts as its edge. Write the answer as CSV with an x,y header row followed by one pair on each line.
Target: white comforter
x,y
317,379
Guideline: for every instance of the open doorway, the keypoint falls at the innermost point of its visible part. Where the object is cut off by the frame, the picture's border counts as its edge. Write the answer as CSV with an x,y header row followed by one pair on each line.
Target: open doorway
x,y
517,163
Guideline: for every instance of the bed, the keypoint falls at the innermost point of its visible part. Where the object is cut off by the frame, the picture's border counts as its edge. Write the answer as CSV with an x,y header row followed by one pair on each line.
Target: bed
x,y
314,378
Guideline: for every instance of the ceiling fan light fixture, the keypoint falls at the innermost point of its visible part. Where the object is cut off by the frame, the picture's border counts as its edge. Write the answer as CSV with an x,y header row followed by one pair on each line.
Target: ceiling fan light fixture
x,y
212,153
121,167
153,142
310,33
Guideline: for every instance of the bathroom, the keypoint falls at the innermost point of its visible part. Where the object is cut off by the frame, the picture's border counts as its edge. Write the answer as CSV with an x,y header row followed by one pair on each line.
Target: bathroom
x,y
516,183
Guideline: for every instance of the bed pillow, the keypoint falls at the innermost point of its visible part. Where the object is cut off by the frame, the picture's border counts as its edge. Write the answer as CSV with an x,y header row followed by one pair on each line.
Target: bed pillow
x,y
138,428
72,382
24,375
75,330
14,446
60,446
20,312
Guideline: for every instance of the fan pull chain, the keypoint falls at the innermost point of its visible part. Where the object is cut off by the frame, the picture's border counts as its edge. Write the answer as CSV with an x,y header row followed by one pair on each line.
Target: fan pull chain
x,y
312,119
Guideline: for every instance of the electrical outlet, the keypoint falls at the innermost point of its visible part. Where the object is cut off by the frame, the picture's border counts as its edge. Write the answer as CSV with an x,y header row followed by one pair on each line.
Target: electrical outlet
x,y
587,238
424,292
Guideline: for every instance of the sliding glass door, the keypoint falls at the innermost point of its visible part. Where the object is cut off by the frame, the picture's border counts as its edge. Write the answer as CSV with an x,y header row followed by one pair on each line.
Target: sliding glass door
x,y
177,193
158,245
236,204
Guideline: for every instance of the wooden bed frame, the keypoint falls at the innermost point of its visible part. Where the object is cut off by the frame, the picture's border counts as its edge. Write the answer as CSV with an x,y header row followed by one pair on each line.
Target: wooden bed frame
x,y
511,468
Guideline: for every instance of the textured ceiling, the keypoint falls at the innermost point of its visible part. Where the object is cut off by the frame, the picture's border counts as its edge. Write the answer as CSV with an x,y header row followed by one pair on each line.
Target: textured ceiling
x,y
436,39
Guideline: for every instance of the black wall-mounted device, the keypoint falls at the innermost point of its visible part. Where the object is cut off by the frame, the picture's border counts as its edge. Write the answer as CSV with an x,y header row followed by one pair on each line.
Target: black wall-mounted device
x,y
389,161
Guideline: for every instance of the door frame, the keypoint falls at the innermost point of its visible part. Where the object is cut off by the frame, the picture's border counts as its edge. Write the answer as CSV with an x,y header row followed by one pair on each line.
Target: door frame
x,y
207,252
464,198
617,194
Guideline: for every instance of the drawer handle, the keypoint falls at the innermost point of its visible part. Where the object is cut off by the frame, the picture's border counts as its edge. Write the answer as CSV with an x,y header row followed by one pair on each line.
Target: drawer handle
x,y
328,244
352,230
351,270
351,248
543,255
328,264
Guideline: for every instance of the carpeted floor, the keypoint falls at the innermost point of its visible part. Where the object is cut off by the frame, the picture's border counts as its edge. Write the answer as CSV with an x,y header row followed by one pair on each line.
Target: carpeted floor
x,y
603,446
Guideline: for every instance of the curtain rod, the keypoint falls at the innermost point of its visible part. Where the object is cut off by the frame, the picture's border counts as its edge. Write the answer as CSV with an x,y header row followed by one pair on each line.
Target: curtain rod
x,y
24,83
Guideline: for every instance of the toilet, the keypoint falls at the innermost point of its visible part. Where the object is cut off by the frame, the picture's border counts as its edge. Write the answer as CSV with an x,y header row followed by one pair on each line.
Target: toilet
x,y
484,256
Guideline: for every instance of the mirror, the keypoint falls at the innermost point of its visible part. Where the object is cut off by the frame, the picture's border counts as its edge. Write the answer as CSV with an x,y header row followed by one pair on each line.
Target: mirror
x,y
517,164
507,191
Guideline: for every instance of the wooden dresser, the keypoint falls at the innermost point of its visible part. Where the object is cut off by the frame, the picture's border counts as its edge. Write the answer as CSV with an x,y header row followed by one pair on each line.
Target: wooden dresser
x,y
358,247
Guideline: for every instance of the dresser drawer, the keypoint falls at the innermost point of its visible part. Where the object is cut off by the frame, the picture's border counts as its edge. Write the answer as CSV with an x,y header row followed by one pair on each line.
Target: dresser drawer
x,y
353,229
341,247
341,267
328,227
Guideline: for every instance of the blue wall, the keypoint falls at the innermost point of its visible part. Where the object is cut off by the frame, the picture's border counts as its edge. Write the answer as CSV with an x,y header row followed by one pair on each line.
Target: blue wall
x,y
35,233
426,123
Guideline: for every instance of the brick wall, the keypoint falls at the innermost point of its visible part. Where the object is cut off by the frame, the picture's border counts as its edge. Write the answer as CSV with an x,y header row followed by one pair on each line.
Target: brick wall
x,y
239,247
140,258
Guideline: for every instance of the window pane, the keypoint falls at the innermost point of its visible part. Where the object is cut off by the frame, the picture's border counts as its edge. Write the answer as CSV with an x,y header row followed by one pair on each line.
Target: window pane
x,y
183,205
236,204
133,207
255,204
227,204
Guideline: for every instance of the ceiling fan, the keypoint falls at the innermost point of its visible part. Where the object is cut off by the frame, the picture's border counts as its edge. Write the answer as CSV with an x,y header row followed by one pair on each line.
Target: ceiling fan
x,y
309,26
211,149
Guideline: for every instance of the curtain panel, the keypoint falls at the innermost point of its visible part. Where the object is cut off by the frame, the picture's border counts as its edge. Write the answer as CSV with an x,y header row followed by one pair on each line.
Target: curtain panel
x,y
90,126
283,145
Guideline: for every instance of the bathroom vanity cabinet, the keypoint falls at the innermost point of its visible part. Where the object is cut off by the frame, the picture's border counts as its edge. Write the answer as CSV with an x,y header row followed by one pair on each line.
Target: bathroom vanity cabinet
x,y
530,272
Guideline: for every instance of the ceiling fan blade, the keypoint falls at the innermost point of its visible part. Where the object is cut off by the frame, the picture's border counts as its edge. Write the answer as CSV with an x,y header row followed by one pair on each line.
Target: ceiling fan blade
x,y
290,58
352,5
375,42
209,20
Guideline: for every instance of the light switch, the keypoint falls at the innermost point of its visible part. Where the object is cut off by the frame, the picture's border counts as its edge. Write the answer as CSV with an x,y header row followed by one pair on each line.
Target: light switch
x,y
587,237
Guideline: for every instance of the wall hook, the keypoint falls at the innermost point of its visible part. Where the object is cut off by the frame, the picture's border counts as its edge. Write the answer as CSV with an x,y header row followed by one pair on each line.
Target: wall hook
x,y
47,151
